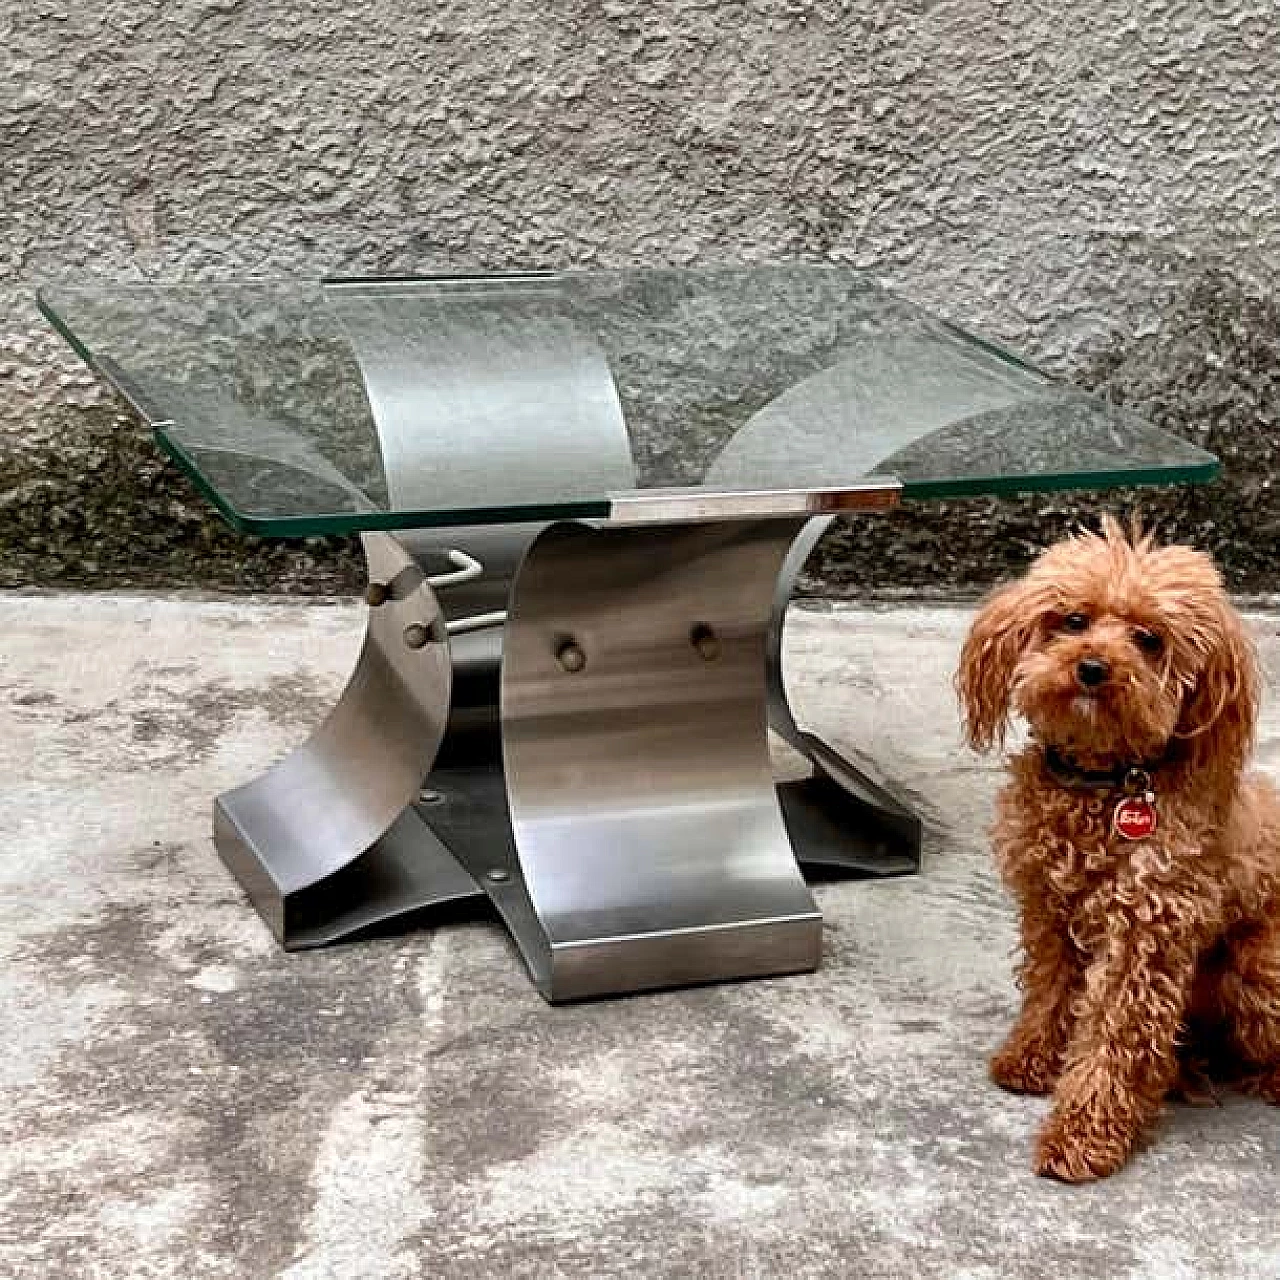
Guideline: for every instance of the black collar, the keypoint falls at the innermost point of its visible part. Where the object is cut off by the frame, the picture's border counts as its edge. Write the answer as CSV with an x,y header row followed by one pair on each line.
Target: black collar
x,y
1129,775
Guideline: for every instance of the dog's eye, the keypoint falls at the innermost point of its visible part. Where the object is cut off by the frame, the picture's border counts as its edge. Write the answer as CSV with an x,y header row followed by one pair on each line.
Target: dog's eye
x,y
1076,622
1148,641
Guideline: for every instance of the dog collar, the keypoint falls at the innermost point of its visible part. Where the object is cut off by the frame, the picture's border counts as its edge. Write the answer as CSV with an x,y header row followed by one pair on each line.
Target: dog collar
x,y
1134,816
1128,775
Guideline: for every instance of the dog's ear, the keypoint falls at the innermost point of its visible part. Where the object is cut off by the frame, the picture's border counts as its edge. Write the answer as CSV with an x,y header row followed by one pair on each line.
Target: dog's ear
x,y
1004,627
1220,713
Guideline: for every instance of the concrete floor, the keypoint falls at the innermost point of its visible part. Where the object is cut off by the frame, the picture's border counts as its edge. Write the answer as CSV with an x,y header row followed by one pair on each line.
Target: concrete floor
x,y
182,1099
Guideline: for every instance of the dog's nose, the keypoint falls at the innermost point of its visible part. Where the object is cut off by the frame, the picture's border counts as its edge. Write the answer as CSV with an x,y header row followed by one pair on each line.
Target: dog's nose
x,y
1091,672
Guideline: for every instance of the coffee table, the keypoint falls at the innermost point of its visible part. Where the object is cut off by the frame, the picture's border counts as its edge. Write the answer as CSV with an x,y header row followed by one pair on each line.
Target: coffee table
x,y
584,499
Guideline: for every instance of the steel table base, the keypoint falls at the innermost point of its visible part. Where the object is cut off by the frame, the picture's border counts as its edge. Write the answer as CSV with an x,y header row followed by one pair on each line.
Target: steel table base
x,y
597,768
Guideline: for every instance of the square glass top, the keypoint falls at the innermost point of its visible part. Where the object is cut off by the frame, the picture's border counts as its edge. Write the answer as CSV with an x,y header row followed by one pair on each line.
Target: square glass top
x,y
624,396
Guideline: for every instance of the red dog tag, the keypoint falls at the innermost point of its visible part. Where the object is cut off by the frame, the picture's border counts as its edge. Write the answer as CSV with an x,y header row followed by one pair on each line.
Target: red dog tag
x,y
1135,817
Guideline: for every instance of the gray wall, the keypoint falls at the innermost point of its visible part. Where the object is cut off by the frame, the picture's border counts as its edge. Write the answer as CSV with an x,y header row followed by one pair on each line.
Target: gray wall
x,y
1094,183
1048,172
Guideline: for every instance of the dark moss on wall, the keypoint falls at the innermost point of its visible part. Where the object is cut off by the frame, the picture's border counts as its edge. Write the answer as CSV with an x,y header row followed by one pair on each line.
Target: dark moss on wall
x,y
101,507
1210,374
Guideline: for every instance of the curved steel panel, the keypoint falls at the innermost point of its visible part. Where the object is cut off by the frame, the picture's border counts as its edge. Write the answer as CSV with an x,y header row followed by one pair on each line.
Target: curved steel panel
x,y
837,817
332,799
641,795
496,379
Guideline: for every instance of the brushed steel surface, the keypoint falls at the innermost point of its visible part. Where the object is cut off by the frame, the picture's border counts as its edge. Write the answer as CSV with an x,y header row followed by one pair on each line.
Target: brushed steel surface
x,y
601,778
642,804
328,817
664,506
540,405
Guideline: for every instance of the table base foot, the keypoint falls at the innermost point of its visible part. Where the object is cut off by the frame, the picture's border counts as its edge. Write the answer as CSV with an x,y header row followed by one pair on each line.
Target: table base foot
x,y
323,843
620,812
404,872
840,821
469,814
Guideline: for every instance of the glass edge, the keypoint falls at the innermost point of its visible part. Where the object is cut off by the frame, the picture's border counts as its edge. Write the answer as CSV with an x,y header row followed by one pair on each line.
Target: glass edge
x,y
990,347
338,525
46,309
393,521
188,467
1140,477
369,521
448,277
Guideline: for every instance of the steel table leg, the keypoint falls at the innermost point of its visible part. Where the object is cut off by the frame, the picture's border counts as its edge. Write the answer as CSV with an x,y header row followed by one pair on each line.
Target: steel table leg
x,y
838,818
326,842
635,840
597,768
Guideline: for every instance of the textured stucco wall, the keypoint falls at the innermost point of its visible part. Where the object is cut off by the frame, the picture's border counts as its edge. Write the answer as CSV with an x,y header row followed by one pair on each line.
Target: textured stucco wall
x,y
1042,170
1054,174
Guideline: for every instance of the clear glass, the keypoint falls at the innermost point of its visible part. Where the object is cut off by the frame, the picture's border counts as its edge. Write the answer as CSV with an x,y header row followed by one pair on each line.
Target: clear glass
x,y
334,406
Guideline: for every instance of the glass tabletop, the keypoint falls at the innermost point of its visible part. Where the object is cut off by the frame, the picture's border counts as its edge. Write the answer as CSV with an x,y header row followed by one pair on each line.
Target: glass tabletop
x,y
626,396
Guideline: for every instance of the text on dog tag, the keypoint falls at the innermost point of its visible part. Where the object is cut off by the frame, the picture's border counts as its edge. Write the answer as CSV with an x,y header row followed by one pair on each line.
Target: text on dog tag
x,y
1135,817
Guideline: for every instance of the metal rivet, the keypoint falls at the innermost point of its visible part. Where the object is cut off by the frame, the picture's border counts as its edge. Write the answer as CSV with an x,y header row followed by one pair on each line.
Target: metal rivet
x,y
429,797
706,642
376,593
497,875
416,635
570,656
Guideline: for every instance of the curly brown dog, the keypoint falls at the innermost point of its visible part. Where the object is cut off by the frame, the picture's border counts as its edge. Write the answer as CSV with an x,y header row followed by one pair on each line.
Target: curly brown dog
x,y
1144,860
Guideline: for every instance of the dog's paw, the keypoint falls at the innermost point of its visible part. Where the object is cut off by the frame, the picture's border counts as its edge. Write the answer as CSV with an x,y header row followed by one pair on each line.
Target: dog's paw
x,y
1072,1147
1025,1066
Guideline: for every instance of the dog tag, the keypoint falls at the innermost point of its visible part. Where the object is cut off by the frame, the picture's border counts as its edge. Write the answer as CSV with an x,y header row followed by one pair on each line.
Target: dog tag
x,y
1135,817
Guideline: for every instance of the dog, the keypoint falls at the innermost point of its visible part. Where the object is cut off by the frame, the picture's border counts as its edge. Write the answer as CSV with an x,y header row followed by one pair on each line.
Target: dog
x,y
1144,859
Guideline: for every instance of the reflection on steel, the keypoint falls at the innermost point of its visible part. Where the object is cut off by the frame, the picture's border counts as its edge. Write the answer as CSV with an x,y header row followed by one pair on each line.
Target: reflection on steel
x,y
656,506
642,803
544,390
780,718
496,377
